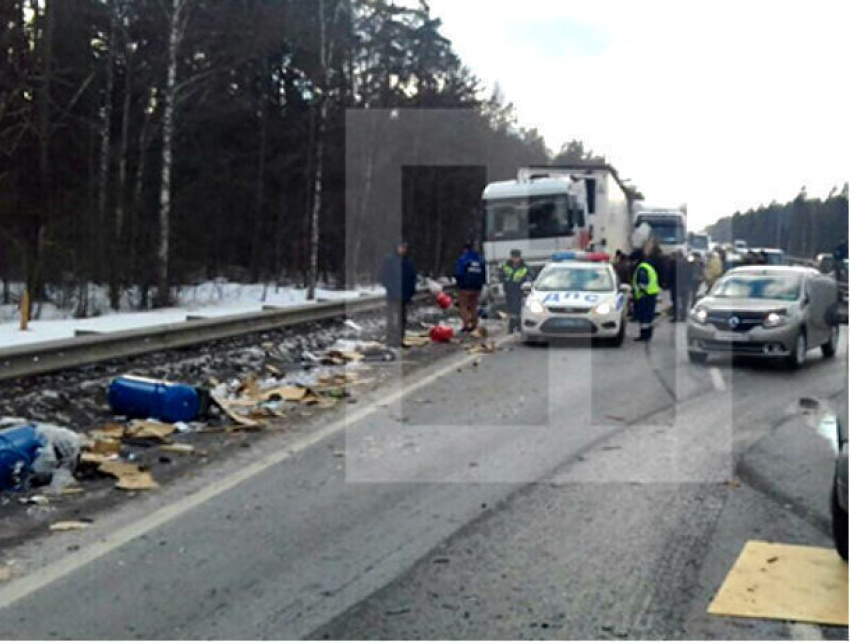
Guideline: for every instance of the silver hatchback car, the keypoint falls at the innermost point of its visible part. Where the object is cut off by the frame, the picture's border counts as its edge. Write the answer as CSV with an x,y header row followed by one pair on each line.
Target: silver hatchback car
x,y
766,311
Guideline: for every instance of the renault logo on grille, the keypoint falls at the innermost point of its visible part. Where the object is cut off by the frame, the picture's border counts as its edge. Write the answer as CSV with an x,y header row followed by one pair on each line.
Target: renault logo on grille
x,y
734,322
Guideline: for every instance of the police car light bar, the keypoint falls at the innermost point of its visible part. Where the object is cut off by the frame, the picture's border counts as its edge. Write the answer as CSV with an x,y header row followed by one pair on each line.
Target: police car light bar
x,y
580,256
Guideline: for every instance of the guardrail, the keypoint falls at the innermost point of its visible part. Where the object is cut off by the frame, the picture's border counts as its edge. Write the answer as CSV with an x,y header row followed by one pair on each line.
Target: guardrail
x,y
50,356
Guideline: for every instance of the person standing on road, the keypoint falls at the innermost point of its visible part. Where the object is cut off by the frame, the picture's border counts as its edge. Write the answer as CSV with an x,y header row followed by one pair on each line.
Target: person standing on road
x,y
713,269
839,255
697,269
680,286
645,288
469,274
622,267
513,274
398,277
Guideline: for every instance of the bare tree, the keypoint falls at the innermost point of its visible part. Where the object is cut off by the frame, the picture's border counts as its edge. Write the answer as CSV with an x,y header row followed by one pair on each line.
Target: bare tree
x,y
326,49
177,25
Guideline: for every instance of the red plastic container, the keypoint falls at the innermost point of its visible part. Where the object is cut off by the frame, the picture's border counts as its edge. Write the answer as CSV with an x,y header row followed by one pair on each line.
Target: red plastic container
x,y
444,300
441,333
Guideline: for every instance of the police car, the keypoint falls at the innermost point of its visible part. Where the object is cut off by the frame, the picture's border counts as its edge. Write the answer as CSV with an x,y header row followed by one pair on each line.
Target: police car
x,y
575,295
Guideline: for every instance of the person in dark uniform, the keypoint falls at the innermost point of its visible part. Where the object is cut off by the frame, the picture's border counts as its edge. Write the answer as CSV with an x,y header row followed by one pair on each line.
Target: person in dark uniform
x,y
514,273
398,277
680,286
839,255
645,288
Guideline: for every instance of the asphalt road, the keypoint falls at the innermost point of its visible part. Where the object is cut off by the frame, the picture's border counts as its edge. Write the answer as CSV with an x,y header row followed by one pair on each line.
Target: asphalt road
x,y
566,492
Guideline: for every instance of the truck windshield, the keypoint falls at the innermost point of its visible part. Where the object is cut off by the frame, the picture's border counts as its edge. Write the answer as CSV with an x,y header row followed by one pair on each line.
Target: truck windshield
x,y
669,230
532,218
742,286
699,242
576,279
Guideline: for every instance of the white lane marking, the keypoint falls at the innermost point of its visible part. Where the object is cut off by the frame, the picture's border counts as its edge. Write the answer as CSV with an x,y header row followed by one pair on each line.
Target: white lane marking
x,y
717,380
803,631
39,578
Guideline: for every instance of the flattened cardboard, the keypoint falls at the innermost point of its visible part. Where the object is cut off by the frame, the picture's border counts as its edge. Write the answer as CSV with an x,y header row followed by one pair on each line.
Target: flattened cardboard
x,y
784,582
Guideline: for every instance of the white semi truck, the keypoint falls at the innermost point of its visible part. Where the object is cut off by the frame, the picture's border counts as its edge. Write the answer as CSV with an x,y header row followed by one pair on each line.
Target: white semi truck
x,y
553,208
538,215
669,226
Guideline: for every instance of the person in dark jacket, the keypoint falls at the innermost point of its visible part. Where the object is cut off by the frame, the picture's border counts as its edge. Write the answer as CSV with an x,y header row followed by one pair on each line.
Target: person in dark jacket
x,y
469,275
514,273
680,286
398,277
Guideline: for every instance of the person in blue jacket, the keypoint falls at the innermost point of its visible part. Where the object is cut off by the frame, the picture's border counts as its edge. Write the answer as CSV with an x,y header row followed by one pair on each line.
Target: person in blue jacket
x,y
398,276
469,275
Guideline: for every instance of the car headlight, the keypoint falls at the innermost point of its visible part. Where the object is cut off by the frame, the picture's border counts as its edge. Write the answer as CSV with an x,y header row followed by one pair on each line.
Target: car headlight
x,y
534,306
700,315
774,320
603,308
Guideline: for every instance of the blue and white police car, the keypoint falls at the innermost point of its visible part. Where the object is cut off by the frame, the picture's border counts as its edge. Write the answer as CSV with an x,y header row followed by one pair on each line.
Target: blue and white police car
x,y
576,295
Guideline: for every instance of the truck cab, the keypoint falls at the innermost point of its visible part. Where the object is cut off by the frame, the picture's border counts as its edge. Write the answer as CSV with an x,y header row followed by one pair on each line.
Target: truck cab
x,y
699,243
538,216
669,226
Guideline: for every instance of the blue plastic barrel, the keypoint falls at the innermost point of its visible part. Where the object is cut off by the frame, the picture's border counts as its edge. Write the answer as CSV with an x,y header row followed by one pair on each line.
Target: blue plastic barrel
x,y
18,448
143,398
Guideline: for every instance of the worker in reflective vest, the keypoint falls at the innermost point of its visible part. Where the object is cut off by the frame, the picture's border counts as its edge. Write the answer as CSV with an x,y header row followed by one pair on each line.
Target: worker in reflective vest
x,y
646,289
514,274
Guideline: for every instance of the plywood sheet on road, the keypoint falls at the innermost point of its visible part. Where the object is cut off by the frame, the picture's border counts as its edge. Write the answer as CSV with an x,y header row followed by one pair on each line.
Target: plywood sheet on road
x,y
784,582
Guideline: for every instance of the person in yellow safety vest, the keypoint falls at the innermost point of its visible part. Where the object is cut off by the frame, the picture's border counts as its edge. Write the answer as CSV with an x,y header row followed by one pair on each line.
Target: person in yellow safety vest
x,y
645,290
513,274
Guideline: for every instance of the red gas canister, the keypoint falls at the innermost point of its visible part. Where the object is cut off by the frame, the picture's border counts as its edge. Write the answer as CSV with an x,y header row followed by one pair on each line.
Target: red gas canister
x,y
444,300
441,333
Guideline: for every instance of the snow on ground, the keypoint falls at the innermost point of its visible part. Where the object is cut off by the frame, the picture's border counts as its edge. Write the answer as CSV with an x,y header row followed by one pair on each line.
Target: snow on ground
x,y
210,299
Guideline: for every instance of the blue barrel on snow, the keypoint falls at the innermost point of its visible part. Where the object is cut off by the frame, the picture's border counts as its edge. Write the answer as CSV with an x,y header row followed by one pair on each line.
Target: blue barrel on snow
x,y
19,447
144,398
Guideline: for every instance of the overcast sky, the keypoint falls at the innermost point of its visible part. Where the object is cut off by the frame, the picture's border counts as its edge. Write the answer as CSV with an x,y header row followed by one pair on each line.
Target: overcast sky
x,y
721,104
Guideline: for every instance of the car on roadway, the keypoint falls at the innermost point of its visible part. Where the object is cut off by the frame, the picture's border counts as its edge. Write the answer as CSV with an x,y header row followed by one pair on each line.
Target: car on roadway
x,y
771,255
575,297
777,312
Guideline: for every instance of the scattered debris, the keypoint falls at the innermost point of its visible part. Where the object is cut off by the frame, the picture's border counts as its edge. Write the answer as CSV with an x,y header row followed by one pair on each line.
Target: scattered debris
x,y
142,397
412,340
785,582
441,333
69,526
19,447
179,449
485,347
127,425
354,326
130,476
37,454
149,430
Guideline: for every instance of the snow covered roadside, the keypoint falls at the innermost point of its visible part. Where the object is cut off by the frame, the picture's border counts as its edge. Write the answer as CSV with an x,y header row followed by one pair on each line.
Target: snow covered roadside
x,y
209,299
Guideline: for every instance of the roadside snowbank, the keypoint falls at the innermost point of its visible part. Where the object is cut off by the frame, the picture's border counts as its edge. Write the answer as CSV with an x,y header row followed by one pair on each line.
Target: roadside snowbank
x,y
208,299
